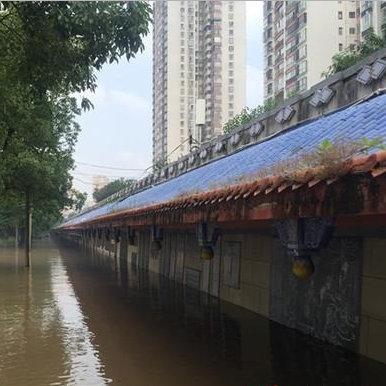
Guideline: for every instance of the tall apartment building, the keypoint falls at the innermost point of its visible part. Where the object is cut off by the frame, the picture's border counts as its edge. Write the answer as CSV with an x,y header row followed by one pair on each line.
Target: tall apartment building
x,y
99,182
373,15
199,70
300,38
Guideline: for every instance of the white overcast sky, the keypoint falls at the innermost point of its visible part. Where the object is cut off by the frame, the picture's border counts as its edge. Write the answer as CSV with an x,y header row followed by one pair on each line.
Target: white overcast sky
x,y
118,132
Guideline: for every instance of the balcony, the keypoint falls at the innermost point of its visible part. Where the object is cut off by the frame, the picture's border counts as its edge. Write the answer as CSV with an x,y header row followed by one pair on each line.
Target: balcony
x,y
292,6
293,27
278,4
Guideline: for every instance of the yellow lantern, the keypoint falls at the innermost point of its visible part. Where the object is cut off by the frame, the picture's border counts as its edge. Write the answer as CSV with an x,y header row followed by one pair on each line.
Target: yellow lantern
x,y
303,267
207,253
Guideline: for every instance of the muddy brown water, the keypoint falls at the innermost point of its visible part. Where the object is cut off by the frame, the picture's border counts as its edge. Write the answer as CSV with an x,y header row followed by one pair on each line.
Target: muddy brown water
x,y
79,319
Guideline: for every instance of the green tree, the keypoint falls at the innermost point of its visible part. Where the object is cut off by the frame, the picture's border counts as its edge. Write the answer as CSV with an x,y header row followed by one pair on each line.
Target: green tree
x,y
48,51
111,188
78,200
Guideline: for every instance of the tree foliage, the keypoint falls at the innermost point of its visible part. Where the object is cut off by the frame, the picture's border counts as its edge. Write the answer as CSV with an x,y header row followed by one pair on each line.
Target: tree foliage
x,y
111,188
347,58
48,52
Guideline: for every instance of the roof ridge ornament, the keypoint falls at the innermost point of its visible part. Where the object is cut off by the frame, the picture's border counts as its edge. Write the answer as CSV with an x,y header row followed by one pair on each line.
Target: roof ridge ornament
x,y
322,96
203,153
369,73
285,114
256,129
219,146
235,139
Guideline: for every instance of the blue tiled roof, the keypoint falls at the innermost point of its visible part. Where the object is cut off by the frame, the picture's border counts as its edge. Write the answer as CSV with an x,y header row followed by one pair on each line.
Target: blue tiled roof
x,y
366,119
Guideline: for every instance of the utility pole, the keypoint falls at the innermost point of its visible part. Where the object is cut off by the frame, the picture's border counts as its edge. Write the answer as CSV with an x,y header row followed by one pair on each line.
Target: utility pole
x,y
28,229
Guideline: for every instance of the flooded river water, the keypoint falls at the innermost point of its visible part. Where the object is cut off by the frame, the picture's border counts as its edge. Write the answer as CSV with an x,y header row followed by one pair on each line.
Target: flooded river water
x,y
77,319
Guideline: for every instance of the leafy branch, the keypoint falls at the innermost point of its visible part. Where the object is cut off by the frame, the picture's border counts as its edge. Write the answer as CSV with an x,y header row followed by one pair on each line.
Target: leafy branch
x,y
347,58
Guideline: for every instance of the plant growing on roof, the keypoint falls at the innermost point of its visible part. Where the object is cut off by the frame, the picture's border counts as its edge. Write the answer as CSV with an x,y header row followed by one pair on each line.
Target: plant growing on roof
x,y
329,159
248,114
345,59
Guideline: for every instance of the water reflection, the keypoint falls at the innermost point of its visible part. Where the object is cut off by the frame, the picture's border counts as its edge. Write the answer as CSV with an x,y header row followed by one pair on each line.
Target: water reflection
x,y
44,340
79,319
83,365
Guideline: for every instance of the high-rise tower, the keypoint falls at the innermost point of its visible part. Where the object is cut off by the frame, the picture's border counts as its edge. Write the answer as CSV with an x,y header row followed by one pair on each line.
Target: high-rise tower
x,y
300,38
199,70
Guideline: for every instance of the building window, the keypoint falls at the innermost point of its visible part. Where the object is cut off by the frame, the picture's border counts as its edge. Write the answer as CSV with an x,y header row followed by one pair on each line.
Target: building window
x,y
290,74
302,35
352,31
340,15
340,30
351,15
302,84
352,47
269,88
340,47
302,67
302,51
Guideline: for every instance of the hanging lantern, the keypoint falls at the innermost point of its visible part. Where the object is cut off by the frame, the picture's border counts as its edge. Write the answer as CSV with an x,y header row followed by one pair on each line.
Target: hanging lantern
x,y
156,238
130,232
207,253
207,239
303,267
156,245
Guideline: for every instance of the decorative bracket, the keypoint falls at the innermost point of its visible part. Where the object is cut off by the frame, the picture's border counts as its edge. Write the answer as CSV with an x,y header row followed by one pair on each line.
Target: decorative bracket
x,y
207,238
302,236
107,233
117,234
130,232
156,237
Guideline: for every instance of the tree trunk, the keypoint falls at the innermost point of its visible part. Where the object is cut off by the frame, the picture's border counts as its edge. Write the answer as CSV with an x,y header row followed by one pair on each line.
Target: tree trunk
x,y
28,229
16,236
